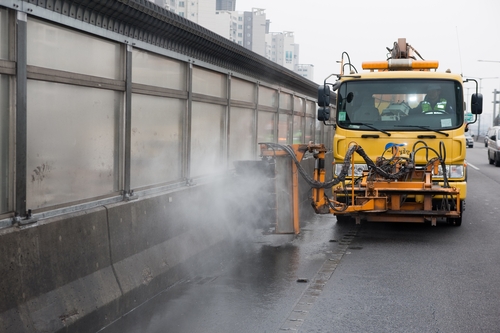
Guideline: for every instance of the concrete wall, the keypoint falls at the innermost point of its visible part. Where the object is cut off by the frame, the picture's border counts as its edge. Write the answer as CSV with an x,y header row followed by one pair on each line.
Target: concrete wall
x,y
81,271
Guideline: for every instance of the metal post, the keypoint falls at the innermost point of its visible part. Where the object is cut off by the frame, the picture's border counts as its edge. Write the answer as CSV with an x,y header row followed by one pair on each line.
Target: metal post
x,y
128,191
480,91
21,116
479,116
187,126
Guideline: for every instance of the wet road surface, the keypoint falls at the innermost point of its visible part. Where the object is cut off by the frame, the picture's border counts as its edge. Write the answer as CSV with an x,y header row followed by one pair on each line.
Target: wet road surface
x,y
333,277
251,287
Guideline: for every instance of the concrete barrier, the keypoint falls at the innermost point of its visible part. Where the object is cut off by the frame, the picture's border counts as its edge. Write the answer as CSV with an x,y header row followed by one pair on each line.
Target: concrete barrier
x,y
55,272
79,272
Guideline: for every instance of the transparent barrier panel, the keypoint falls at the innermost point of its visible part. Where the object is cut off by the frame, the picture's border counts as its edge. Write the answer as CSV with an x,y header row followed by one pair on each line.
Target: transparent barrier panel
x,y
72,143
207,139
298,136
241,138
285,101
4,34
155,70
156,140
265,129
268,97
310,108
209,83
60,48
284,126
242,90
309,135
298,104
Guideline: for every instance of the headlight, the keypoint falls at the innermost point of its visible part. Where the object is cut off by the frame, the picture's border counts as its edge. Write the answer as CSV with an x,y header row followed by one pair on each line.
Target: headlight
x,y
452,171
358,169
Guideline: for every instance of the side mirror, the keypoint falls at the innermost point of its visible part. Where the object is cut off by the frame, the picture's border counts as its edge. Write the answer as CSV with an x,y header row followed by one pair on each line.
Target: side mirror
x,y
476,104
324,96
323,113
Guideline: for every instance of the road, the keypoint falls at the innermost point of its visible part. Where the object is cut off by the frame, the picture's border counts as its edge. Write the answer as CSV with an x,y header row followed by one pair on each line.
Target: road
x,y
374,277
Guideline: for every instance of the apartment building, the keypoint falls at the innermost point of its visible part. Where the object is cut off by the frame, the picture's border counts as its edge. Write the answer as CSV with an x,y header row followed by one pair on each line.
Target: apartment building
x,y
249,29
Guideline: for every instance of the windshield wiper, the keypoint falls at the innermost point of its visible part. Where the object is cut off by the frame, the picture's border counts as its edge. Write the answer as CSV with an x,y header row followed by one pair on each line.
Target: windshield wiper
x,y
424,128
372,127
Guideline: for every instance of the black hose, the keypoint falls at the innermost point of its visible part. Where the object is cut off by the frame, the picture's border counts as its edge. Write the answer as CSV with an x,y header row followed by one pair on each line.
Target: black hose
x,y
345,166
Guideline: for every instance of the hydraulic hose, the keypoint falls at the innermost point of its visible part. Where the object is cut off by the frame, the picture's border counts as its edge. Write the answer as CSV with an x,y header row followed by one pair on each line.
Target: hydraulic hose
x,y
345,166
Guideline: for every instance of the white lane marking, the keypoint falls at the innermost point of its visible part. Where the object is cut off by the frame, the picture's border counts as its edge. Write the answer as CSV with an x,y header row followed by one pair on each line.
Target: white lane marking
x,y
472,165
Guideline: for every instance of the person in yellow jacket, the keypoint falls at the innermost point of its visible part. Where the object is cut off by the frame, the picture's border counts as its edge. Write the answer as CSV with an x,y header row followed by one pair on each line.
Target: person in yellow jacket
x,y
433,102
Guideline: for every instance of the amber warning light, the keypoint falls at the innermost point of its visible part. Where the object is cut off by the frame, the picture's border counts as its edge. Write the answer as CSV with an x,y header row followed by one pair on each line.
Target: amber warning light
x,y
401,64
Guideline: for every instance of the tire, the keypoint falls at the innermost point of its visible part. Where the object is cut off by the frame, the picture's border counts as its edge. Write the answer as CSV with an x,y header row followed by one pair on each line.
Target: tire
x,y
344,219
497,160
457,222
489,159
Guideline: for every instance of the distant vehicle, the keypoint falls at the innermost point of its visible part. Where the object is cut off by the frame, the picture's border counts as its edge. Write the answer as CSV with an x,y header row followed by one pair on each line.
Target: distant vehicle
x,y
494,145
486,141
469,140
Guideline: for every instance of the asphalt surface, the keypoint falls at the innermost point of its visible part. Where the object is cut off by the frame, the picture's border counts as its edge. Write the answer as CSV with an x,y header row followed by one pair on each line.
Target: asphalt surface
x,y
373,277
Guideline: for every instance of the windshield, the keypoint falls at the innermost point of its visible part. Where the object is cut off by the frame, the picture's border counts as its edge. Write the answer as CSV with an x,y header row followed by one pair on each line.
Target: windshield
x,y
400,104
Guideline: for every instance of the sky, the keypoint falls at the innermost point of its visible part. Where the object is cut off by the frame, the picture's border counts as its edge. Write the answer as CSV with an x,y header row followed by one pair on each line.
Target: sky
x,y
456,33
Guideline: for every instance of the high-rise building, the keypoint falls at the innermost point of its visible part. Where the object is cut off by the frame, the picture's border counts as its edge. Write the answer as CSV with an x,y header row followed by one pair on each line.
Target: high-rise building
x,y
221,23
202,12
254,30
194,10
281,49
306,70
160,3
229,5
249,29
237,27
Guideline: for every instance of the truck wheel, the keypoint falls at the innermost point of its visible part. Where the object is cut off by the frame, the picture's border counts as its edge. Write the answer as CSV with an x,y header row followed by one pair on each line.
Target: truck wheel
x,y
457,222
344,219
489,159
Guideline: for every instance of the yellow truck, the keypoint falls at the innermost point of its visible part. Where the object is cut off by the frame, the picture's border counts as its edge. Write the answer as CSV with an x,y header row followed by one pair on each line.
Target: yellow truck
x,y
406,123
399,146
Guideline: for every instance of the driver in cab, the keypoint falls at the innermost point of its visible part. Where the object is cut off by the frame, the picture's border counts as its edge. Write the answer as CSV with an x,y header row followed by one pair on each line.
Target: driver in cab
x,y
433,102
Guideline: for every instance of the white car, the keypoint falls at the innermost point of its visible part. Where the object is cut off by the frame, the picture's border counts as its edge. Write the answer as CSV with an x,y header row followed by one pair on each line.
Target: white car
x,y
469,140
494,145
